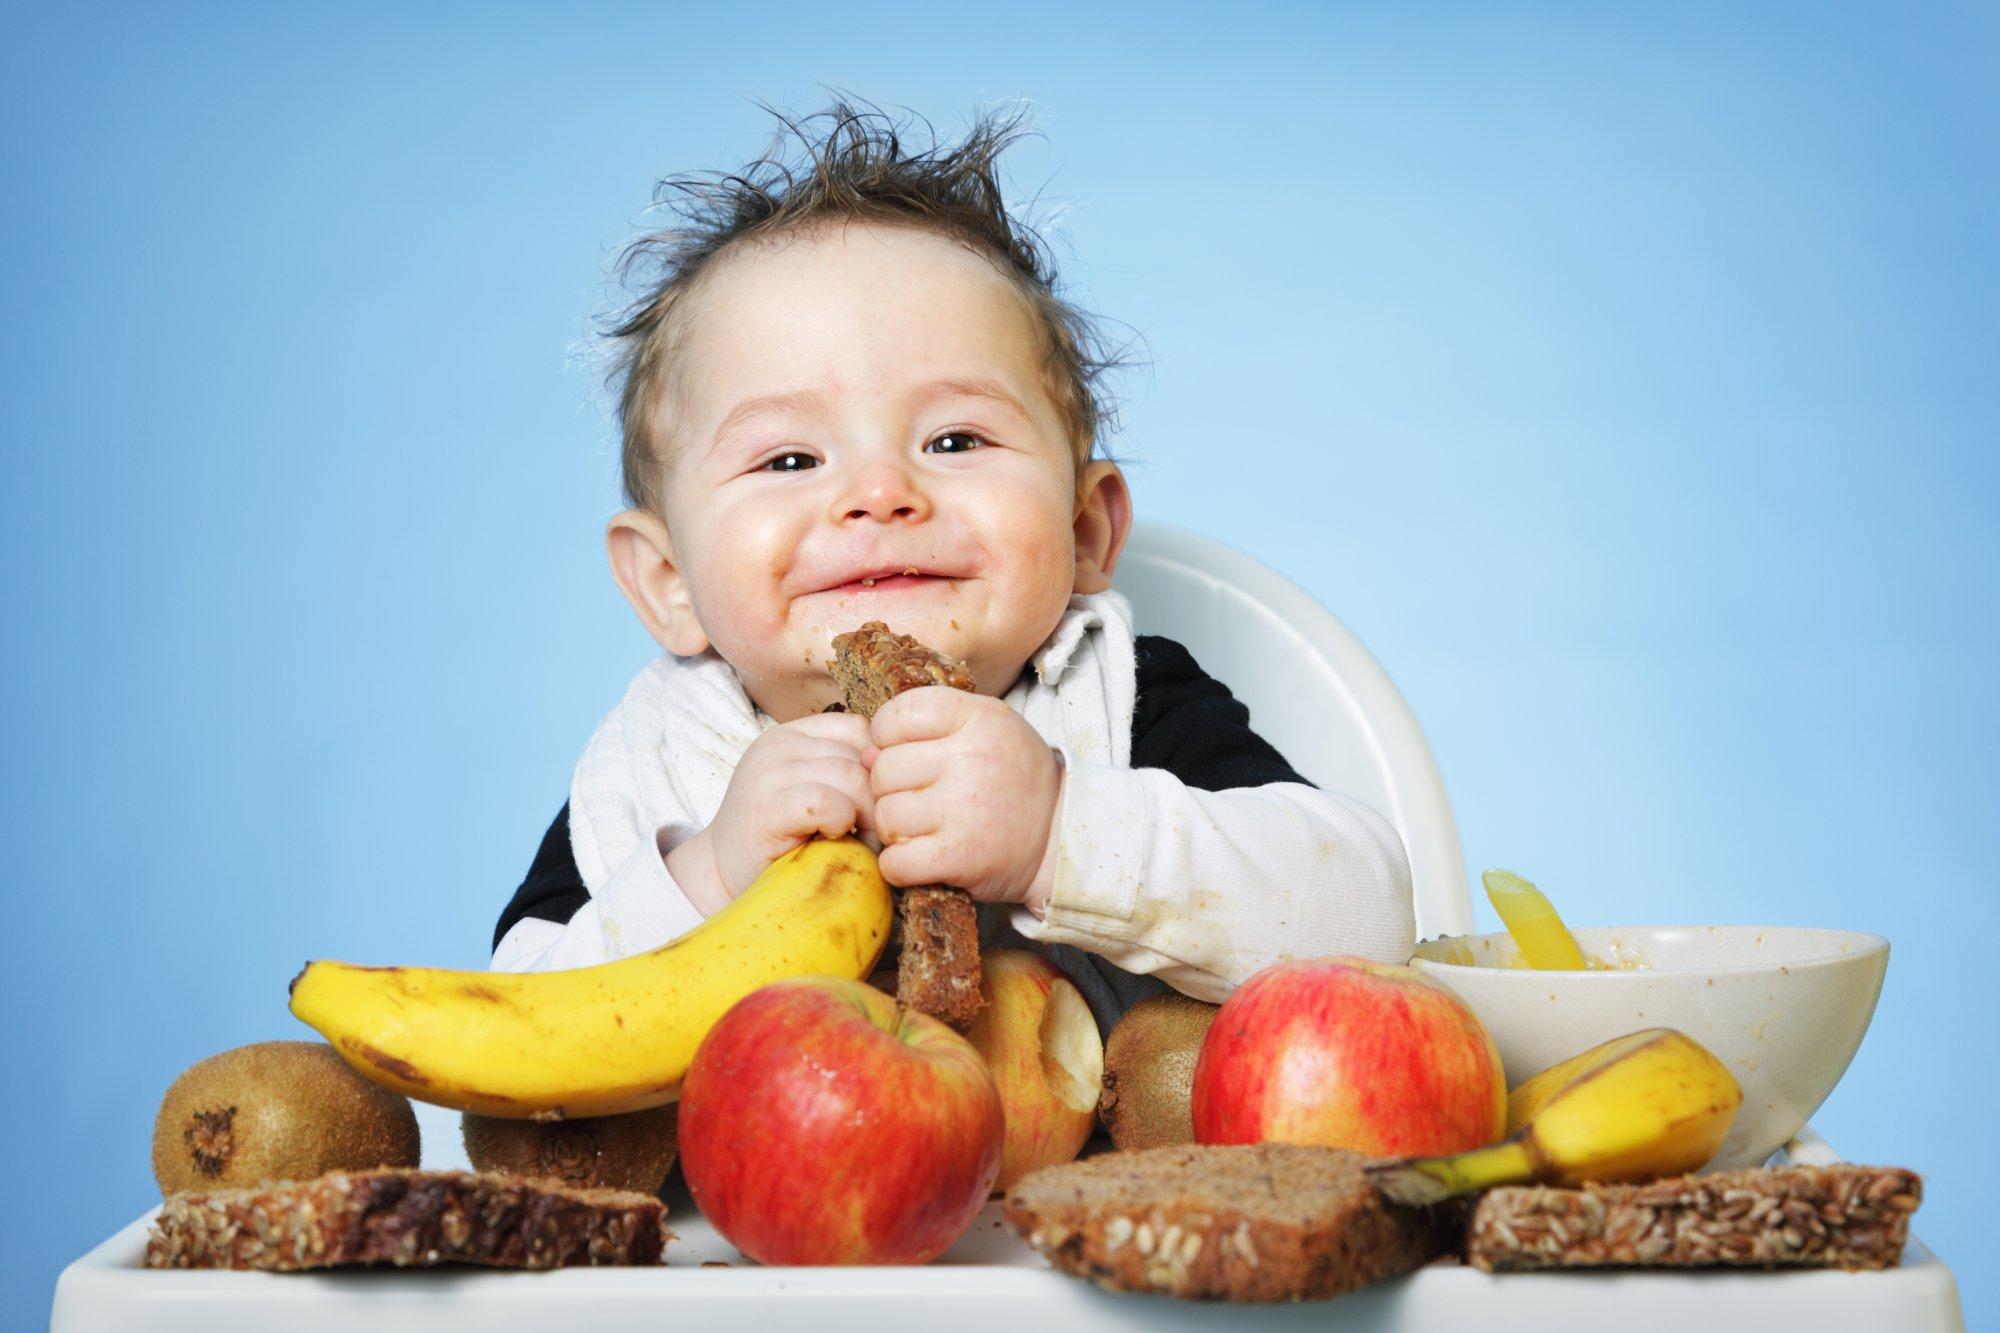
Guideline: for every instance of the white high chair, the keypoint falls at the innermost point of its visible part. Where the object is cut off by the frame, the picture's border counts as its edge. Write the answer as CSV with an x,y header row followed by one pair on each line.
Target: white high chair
x,y
1312,689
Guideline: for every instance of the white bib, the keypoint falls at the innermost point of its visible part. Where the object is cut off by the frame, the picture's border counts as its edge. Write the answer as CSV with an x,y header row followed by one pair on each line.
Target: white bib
x,y
665,753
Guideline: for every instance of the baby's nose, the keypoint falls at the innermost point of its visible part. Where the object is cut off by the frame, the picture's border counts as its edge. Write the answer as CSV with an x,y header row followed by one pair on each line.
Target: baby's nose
x,y
883,490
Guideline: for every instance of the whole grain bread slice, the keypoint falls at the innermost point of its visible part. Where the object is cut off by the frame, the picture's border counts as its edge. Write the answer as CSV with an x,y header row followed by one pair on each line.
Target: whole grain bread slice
x,y
937,971
1840,1216
1262,1222
407,1218
872,666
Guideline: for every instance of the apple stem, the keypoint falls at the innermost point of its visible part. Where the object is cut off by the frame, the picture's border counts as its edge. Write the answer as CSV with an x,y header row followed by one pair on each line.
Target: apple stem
x,y
1428,1180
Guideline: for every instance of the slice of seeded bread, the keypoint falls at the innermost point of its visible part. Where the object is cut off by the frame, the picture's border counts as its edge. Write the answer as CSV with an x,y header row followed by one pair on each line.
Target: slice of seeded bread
x,y
1793,1216
407,1218
938,968
873,666
1262,1222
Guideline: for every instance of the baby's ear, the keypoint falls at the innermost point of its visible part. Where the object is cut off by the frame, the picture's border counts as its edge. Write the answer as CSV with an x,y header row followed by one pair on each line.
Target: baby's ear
x,y
643,563
1103,522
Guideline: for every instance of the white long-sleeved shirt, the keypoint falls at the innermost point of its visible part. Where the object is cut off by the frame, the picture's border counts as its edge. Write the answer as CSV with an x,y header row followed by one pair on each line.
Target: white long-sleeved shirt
x,y
1158,872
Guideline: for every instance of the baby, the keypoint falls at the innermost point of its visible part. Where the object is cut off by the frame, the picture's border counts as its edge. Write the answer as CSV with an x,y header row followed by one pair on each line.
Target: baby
x,y
851,393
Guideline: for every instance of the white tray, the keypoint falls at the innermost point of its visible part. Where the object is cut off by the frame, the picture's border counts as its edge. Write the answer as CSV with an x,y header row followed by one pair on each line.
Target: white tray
x,y
989,1280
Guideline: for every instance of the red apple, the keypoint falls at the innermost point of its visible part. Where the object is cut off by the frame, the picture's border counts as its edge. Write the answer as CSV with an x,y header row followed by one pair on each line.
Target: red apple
x,y
1037,1035
1349,1054
822,1123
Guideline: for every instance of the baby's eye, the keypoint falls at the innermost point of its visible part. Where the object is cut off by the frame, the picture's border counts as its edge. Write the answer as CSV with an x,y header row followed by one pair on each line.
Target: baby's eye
x,y
969,442
795,461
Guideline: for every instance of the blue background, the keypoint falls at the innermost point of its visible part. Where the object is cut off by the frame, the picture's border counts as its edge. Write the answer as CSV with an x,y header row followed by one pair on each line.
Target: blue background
x,y
1624,378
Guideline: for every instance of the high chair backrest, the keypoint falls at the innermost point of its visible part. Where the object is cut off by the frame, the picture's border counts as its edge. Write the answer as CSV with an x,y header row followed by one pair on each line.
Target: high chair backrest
x,y
1312,689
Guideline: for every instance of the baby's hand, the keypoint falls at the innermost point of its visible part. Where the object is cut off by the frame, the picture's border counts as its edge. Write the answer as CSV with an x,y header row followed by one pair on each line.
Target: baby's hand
x,y
965,794
798,779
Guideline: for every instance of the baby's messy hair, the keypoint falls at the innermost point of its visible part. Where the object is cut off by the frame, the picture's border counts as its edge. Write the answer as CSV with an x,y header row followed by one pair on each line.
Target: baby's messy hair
x,y
855,166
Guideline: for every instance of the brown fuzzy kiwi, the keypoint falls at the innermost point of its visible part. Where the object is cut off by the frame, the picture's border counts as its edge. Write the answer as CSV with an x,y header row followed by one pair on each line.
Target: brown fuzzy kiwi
x,y
276,1110
1149,1071
634,1151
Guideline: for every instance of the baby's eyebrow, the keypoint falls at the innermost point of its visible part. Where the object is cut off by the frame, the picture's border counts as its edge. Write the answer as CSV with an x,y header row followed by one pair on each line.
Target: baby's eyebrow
x,y
970,386
797,400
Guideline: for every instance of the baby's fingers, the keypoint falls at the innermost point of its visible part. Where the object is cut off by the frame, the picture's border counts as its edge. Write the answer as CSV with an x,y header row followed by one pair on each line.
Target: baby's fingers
x,y
925,713
792,749
818,808
842,774
904,815
930,859
908,767
845,728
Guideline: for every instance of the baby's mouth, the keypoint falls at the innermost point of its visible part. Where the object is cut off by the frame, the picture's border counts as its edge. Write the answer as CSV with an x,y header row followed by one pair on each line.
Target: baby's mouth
x,y
892,580
889,583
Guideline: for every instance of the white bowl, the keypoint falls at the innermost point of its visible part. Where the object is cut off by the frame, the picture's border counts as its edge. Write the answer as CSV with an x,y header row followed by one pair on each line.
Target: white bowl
x,y
1784,1007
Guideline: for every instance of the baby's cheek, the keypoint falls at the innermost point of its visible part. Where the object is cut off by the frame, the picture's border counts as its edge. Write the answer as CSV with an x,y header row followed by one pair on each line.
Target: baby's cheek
x,y
1033,522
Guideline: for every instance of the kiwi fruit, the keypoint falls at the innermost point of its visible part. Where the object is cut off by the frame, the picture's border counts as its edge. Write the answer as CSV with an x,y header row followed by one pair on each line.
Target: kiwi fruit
x,y
633,1151
1149,1072
276,1110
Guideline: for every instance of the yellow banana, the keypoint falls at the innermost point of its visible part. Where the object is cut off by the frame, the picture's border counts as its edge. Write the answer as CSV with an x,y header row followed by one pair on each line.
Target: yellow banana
x,y
1537,928
1637,1108
604,1039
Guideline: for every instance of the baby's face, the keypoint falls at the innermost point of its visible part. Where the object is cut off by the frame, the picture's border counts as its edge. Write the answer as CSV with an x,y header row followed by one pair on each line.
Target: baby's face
x,y
862,434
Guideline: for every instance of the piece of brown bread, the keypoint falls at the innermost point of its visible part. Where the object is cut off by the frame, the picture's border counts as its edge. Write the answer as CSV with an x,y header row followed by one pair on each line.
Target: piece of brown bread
x,y
937,970
1792,1216
406,1218
873,666
1260,1222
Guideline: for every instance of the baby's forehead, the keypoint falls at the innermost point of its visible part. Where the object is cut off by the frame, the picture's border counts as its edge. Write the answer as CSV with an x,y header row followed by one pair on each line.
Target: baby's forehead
x,y
871,311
